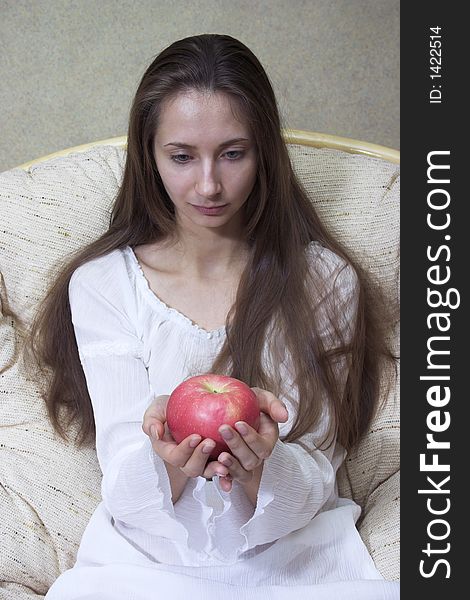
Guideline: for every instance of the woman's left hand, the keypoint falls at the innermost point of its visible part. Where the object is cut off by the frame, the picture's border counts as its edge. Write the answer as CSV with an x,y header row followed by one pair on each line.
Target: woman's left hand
x,y
248,447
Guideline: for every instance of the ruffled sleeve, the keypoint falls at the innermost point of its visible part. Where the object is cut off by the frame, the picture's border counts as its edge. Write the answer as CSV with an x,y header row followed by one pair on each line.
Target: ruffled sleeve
x,y
298,479
135,487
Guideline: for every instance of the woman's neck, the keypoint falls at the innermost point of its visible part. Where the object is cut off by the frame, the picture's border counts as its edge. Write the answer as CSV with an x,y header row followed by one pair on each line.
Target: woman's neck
x,y
208,254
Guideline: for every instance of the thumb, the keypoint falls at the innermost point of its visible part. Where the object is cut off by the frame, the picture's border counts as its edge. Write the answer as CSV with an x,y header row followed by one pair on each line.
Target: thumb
x,y
272,406
155,417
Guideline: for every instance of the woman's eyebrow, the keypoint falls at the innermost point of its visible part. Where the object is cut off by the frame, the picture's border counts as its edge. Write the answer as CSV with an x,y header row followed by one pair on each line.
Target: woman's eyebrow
x,y
223,145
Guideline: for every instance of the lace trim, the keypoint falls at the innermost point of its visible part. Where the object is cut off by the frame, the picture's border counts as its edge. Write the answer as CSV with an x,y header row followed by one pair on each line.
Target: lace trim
x,y
94,349
172,313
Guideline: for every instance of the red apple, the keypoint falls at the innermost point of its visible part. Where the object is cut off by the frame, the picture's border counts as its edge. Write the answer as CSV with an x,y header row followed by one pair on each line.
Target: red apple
x,y
203,403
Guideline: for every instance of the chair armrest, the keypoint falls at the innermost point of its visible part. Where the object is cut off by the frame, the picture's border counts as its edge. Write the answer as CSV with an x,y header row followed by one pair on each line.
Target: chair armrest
x,y
380,526
26,554
18,592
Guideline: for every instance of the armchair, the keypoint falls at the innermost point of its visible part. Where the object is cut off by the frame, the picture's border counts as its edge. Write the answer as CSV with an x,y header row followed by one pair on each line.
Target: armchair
x,y
54,205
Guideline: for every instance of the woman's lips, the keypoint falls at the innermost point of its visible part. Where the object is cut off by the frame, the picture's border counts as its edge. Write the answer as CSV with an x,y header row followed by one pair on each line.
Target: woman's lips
x,y
210,210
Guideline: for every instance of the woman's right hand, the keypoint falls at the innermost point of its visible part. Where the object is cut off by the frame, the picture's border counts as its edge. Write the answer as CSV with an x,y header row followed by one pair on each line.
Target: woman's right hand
x,y
189,456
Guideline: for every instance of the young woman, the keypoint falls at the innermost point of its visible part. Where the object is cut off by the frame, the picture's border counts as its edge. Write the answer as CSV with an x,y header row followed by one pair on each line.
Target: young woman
x,y
215,261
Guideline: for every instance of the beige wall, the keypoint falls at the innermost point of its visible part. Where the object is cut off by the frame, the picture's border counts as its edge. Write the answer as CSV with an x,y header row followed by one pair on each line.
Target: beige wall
x,y
69,69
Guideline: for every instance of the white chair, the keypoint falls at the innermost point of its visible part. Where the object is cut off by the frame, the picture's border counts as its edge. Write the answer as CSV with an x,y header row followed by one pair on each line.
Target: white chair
x,y
56,204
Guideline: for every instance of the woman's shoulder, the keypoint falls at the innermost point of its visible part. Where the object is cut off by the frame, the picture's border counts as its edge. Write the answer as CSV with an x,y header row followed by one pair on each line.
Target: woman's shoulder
x,y
321,256
103,272
331,266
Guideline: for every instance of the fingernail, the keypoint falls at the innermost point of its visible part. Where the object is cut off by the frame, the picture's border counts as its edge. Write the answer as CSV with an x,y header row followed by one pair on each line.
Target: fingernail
x,y
241,427
194,442
153,432
226,433
227,462
208,448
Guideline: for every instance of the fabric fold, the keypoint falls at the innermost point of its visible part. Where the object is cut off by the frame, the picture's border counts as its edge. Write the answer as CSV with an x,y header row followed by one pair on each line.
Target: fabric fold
x,y
293,488
136,491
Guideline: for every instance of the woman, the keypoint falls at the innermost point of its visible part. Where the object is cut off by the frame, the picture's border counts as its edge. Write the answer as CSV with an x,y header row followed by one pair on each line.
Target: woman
x,y
215,261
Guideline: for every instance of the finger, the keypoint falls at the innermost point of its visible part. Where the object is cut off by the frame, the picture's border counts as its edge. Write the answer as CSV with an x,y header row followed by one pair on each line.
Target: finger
x,y
268,429
155,415
214,468
260,442
155,429
279,412
236,470
157,408
271,405
246,457
177,454
226,483
195,464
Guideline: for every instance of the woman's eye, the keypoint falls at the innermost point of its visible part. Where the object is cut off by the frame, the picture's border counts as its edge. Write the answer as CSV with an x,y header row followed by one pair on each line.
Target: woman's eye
x,y
180,158
234,154
185,158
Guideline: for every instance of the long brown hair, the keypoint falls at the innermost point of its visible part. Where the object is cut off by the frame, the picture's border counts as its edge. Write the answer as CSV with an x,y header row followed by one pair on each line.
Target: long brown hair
x,y
278,282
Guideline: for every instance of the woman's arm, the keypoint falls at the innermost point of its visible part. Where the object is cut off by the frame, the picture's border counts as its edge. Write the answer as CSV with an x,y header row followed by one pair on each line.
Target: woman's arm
x,y
136,487
251,487
178,481
297,480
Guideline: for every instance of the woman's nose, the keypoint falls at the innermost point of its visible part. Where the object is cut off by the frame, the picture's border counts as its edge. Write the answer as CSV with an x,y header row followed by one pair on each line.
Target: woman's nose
x,y
208,183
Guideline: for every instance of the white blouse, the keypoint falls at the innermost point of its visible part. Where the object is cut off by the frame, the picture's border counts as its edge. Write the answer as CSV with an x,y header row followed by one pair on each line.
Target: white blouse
x,y
133,346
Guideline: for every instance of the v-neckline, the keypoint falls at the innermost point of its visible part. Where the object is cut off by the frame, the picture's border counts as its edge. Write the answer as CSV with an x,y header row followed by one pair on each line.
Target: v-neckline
x,y
156,301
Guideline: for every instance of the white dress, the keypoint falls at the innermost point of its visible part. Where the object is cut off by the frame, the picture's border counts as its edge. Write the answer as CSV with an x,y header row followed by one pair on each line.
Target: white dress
x,y
299,542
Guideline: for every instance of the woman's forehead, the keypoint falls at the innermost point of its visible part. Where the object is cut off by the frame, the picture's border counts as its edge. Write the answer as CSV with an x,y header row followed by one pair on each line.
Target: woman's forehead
x,y
193,111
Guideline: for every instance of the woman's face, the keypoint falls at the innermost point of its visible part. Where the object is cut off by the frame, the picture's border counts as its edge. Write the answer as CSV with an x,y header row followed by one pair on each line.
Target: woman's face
x,y
206,159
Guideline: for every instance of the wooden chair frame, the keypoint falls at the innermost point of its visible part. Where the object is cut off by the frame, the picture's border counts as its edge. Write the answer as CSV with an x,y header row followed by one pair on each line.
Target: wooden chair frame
x,y
291,136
